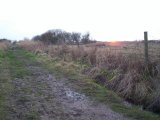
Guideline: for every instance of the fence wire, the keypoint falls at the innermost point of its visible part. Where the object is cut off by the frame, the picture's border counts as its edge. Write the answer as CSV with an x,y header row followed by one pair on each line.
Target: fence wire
x,y
136,50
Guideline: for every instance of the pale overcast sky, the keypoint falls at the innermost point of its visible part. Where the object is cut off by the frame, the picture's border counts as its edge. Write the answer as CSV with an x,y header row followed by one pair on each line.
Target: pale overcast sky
x,y
105,19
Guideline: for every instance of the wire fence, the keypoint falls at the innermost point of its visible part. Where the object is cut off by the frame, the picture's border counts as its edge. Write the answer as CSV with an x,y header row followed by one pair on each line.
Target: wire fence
x,y
136,50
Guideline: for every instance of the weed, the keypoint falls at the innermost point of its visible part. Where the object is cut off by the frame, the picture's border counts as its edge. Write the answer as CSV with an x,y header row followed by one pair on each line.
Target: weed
x,y
33,116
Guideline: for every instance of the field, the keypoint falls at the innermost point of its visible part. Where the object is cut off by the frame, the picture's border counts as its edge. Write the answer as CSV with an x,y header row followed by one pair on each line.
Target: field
x,y
37,79
118,66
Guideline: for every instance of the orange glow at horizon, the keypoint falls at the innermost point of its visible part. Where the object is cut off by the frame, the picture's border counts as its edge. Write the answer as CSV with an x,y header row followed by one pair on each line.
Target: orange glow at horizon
x,y
114,43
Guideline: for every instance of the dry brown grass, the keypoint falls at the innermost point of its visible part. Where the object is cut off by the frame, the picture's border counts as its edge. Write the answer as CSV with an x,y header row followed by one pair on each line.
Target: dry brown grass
x,y
36,47
122,70
4,45
132,87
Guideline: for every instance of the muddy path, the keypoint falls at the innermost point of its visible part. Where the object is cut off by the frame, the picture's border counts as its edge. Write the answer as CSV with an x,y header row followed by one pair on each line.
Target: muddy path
x,y
39,95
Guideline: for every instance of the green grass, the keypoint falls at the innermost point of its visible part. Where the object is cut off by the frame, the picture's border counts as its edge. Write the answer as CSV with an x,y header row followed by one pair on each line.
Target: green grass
x,y
135,112
87,85
33,116
17,64
12,65
5,84
1,56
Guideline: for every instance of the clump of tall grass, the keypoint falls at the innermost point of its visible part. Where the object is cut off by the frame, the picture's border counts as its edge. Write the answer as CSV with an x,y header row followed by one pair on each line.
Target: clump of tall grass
x,y
36,47
4,45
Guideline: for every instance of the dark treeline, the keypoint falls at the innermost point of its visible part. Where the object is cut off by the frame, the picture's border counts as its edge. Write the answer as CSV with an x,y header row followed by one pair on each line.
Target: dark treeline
x,y
57,36
5,40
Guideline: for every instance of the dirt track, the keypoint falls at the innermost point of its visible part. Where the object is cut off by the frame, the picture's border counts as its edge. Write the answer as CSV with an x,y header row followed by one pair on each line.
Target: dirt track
x,y
40,96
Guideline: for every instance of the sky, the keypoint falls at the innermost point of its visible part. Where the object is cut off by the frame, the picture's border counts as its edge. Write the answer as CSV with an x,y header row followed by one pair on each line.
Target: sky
x,y
105,20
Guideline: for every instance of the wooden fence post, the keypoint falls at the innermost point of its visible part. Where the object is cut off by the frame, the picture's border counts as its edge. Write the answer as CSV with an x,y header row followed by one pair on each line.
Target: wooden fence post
x,y
146,48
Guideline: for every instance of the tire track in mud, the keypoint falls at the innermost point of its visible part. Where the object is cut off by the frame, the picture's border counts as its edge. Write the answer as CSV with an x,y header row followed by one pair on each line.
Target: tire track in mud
x,y
40,96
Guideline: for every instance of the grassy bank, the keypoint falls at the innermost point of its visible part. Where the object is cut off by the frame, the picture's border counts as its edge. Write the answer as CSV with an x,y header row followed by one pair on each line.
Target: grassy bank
x,y
125,74
122,71
87,85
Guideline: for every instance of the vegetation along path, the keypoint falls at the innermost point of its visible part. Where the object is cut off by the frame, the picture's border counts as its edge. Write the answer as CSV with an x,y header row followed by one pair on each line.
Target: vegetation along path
x,y
33,93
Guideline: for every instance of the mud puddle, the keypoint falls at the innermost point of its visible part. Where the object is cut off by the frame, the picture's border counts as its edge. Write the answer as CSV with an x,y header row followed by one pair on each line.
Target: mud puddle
x,y
74,95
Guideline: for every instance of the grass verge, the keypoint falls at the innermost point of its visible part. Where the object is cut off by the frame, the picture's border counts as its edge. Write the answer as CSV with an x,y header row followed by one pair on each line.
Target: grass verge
x,y
12,65
5,84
